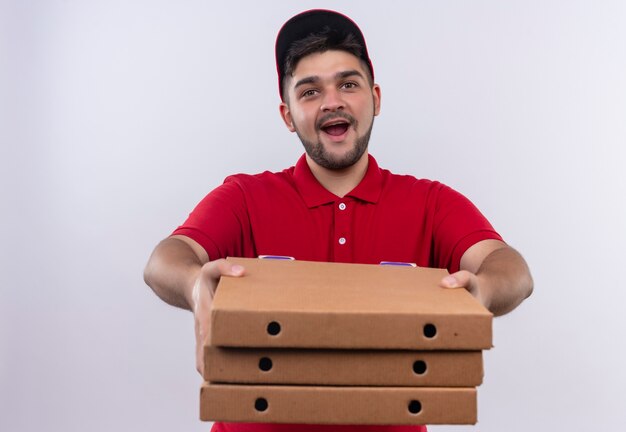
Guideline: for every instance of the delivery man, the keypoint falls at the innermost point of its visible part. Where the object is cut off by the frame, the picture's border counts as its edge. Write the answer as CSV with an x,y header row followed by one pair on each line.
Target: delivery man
x,y
336,204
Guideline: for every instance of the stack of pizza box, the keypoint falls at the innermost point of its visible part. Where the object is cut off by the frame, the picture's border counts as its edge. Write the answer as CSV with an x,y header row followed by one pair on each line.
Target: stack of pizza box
x,y
327,343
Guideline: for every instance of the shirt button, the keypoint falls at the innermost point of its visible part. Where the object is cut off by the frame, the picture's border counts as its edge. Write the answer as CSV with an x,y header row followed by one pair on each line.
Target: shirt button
x,y
342,206
342,240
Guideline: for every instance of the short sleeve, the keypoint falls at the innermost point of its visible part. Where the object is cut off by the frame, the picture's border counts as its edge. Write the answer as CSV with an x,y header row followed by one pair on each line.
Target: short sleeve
x,y
458,225
220,223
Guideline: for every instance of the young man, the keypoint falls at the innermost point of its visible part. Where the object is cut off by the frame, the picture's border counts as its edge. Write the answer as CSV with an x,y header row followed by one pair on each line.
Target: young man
x,y
335,204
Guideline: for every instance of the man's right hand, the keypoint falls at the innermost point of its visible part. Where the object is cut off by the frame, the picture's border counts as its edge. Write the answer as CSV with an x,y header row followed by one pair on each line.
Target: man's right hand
x,y
202,297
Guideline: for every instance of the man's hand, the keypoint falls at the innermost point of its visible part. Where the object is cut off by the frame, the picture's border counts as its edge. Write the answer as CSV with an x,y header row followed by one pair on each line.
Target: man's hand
x,y
464,279
494,273
202,297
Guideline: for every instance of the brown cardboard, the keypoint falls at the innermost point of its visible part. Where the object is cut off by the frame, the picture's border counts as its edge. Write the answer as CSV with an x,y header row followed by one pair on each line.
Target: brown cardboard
x,y
333,305
343,367
337,405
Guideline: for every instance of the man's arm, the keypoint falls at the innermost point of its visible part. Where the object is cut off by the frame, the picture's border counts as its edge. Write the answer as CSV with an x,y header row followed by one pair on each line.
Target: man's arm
x,y
495,273
180,273
173,268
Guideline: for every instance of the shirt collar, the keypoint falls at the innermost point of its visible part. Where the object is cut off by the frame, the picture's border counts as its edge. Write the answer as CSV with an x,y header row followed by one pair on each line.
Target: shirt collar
x,y
314,194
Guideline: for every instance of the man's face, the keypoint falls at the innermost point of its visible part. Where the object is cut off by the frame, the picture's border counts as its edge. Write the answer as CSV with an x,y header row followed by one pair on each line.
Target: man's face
x,y
331,106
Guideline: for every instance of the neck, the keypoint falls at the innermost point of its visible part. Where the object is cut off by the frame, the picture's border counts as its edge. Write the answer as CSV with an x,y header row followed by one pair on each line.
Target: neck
x,y
341,181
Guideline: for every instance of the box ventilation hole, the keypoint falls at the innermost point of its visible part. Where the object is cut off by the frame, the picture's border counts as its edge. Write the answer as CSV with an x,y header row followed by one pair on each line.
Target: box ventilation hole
x,y
419,367
273,328
430,331
265,364
260,404
415,407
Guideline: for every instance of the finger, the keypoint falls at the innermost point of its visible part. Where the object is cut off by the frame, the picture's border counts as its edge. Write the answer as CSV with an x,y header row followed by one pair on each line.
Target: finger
x,y
202,318
201,313
449,282
202,330
199,357
221,267
460,279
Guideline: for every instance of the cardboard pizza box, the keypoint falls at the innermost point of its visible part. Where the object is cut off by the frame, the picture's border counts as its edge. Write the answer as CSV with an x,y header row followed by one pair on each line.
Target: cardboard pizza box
x,y
343,367
303,304
337,405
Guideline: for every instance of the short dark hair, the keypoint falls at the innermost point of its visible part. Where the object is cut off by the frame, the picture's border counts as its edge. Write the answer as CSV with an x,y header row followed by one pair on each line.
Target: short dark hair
x,y
325,40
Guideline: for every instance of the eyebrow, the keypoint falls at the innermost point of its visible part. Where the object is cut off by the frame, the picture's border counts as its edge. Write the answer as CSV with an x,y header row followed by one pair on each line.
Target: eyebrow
x,y
349,73
339,75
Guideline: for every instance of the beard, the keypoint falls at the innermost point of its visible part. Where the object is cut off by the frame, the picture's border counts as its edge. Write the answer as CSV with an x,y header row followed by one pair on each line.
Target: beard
x,y
323,158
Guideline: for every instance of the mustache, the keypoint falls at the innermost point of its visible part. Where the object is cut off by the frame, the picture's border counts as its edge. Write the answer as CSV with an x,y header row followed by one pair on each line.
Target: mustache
x,y
335,116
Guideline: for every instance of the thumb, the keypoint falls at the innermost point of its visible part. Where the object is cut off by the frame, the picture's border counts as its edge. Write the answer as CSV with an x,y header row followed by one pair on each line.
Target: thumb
x,y
215,269
235,270
460,279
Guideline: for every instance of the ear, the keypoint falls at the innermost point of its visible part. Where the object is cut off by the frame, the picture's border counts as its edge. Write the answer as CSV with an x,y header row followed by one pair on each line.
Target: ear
x,y
285,114
376,94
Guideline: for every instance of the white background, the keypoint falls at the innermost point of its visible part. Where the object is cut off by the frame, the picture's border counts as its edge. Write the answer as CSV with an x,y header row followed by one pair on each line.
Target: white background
x,y
117,117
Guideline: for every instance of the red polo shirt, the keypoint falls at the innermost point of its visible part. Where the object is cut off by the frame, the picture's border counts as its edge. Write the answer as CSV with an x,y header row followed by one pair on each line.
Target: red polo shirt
x,y
387,217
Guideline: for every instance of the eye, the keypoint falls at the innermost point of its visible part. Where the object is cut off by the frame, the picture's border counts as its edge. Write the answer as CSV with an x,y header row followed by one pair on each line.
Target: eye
x,y
350,85
308,93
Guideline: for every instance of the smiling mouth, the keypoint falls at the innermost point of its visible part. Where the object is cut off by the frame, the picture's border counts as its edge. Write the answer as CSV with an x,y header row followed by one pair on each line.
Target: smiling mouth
x,y
336,124
336,128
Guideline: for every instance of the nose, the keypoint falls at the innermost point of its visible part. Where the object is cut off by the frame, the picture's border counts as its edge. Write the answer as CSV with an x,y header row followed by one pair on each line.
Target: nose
x,y
332,101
